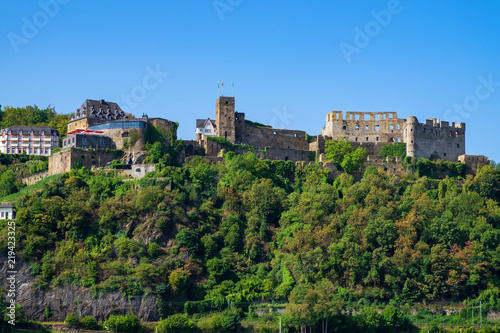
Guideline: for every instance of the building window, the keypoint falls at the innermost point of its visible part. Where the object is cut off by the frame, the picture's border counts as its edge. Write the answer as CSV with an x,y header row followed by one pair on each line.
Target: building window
x,y
377,127
35,150
357,127
430,143
438,143
422,142
448,144
84,140
8,150
367,127
344,127
3,214
457,145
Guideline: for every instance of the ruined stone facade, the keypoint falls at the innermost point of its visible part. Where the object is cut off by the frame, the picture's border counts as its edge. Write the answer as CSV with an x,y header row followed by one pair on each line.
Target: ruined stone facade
x,y
433,139
473,162
383,127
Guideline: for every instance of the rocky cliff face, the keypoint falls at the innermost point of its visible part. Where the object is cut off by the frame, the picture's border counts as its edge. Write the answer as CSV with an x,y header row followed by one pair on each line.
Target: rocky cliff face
x,y
63,300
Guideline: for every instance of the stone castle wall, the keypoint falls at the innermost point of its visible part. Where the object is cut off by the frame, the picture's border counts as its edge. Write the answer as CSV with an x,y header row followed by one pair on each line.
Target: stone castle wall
x,y
261,137
473,162
62,161
34,178
434,139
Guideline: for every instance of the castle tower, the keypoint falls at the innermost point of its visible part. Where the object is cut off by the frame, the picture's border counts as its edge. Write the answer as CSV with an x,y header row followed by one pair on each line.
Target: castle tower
x,y
409,135
224,118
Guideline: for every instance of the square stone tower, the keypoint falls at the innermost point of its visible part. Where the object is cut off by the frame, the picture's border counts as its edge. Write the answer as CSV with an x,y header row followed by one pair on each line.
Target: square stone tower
x,y
224,118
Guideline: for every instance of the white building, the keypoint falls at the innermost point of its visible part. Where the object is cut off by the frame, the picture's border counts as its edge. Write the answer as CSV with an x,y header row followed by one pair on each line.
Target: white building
x,y
206,127
32,140
7,212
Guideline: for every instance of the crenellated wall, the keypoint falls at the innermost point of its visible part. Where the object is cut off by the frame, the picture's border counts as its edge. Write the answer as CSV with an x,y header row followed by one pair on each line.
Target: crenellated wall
x,y
434,139
383,127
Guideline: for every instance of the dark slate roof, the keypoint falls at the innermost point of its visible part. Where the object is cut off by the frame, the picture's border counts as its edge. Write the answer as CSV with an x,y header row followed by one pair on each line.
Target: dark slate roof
x,y
36,130
100,109
6,206
201,123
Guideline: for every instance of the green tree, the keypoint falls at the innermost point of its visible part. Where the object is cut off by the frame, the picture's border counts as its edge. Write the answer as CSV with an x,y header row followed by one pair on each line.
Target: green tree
x,y
343,156
177,323
8,183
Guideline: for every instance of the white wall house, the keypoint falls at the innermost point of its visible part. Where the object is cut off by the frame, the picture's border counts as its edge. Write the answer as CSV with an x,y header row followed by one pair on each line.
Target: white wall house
x,y
32,140
7,212
206,127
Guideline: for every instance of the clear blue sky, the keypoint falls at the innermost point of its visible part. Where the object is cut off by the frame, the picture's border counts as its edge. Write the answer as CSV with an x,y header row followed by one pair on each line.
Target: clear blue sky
x,y
291,61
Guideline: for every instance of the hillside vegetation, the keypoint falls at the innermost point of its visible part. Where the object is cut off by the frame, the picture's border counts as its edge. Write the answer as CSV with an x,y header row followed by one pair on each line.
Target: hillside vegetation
x,y
247,231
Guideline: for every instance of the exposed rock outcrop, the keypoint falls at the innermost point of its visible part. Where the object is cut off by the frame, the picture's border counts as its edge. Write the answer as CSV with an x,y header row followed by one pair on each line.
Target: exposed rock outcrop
x,y
63,300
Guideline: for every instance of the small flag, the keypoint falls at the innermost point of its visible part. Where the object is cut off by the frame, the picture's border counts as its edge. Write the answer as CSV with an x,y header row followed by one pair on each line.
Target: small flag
x,y
218,84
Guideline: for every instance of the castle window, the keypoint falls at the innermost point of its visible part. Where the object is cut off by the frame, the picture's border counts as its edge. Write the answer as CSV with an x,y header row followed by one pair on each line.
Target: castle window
x,y
391,139
227,102
286,158
422,142
430,142
391,127
383,116
356,139
399,139
344,127
367,127
444,154
274,133
377,127
366,138
366,117
423,130
295,135
377,117
457,145
377,138
456,134
356,117
356,127
448,144
390,115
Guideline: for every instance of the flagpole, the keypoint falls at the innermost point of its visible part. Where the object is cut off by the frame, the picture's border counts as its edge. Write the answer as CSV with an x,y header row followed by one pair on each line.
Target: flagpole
x,y
222,88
